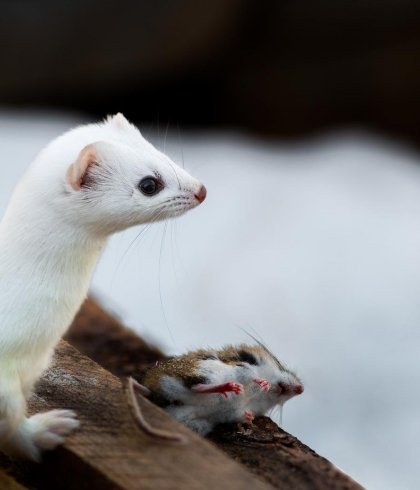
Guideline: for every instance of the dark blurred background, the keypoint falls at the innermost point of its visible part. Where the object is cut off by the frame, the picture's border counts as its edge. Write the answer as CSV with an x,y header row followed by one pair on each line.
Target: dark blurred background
x,y
283,68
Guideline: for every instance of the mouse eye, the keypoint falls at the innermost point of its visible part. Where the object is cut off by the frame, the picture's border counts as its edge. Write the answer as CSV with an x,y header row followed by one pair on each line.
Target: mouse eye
x,y
149,186
247,357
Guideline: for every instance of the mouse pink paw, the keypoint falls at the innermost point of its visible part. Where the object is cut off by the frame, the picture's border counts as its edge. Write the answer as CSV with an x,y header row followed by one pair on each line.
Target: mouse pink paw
x,y
235,387
249,416
263,384
224,389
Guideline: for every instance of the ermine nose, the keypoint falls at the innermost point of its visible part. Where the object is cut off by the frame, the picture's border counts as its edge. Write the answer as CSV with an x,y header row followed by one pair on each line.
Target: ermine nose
x,y
298,389
201,194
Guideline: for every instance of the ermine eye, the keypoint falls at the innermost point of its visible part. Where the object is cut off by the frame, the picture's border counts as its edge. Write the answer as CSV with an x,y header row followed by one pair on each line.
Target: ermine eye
x,y
149,186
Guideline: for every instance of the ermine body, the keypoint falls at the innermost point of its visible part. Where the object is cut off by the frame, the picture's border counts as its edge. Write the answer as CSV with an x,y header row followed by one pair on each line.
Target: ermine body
x,y
84,186
207,387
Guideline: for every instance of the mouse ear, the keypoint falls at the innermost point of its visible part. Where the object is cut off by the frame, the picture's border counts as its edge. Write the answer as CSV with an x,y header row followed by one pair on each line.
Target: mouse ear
x,y
77,172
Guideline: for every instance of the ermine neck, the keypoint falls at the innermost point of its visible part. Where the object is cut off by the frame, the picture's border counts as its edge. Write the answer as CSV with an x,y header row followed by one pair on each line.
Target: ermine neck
x,y
48,245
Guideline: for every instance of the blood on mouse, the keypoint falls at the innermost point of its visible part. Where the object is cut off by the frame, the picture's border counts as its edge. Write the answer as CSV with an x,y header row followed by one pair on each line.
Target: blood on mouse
x,y
204,388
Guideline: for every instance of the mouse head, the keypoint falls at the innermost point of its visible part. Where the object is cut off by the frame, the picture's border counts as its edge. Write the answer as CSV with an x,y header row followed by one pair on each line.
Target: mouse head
x,y
120,180
284,384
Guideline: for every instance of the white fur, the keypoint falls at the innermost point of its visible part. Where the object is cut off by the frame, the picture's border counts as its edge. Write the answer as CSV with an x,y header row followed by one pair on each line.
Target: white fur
x,y
50,240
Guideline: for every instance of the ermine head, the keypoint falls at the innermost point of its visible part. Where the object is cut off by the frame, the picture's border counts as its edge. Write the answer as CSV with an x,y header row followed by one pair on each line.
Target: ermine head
x,y
118,179
284,384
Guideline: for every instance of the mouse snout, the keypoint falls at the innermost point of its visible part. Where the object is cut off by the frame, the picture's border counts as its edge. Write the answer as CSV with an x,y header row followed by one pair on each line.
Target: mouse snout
x,y
201,194
298,389
290,389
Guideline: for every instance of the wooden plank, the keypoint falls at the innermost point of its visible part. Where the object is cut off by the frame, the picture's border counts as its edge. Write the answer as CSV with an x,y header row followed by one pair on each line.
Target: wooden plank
x,y
108,451
280,458
268,451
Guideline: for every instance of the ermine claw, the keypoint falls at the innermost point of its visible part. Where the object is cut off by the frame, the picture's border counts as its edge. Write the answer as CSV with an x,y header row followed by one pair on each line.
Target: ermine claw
x,y
263,384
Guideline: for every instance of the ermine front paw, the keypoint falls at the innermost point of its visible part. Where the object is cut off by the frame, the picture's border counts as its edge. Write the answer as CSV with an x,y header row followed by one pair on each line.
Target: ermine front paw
x,y
49,429
42,431
263,384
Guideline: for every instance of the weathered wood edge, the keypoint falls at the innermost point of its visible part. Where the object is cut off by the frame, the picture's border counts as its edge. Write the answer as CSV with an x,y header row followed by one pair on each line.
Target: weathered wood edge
x,y
108,452
268,451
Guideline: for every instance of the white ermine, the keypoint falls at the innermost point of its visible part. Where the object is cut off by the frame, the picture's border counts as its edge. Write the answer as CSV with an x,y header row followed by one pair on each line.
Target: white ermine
x,y
87,184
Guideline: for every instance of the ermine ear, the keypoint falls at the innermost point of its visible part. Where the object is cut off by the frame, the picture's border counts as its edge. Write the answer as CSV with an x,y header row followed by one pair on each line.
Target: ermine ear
x,y
77,171
119,121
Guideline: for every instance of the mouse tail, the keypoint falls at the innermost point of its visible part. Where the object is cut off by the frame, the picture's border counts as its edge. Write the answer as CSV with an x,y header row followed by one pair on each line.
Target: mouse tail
x,y
131,387
143,390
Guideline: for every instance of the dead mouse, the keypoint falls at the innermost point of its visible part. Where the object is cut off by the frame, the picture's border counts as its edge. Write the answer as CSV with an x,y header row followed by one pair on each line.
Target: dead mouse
x,y
204,388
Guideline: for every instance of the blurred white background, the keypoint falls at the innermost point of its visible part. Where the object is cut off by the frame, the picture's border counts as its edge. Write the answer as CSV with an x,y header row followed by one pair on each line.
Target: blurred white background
x,y
314,246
